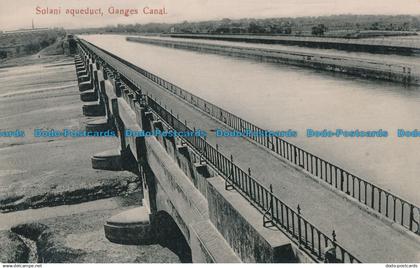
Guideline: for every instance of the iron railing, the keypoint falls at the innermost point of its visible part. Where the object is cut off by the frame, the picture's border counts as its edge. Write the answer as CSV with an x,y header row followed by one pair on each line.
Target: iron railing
x,y
308,237
384,202
276,212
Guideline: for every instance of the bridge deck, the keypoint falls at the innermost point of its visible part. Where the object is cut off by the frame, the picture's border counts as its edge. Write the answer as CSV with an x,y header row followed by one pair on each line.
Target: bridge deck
x,y
366,236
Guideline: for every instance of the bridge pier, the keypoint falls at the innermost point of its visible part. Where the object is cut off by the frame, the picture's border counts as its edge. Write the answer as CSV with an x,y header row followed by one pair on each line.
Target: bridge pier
x,y
85,76
81,66
131,227
89,94
97,108
94,109
107,160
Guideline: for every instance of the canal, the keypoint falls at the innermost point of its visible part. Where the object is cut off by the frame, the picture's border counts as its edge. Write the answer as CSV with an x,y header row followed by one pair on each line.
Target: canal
x,y
280,97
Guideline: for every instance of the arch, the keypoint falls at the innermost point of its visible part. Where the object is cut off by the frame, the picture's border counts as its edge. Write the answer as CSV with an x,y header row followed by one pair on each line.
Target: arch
x,y
169,235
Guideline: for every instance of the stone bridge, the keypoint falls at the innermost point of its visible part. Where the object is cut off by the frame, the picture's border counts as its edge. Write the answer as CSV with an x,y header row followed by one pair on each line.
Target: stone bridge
x,y
223,211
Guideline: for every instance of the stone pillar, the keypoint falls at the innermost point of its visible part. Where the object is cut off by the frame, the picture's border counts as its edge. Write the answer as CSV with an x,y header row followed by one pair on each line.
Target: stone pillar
x,y
91,94
97,108
86,82
111,160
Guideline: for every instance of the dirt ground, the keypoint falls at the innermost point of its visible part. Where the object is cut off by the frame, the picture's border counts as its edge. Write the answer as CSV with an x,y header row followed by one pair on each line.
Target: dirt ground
x,y
49,182
34,170
80,238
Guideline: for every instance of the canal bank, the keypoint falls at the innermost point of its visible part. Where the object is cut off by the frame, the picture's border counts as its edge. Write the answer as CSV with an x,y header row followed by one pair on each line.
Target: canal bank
x,y
397,45
346,65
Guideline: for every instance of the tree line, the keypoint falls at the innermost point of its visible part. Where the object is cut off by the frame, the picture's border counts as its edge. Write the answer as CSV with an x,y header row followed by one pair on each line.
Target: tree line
x,y
20,44
317,26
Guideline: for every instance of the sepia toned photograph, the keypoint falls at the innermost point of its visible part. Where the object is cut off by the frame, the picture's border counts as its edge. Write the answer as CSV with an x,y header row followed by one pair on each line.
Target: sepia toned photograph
x,y
196,131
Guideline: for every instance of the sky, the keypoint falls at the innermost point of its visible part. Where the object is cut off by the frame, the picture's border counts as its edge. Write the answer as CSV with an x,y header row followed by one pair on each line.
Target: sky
x,y
15,14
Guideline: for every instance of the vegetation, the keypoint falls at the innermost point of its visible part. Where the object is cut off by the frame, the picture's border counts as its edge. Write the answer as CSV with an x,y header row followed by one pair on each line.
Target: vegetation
x,y
22,43
319,30
337,25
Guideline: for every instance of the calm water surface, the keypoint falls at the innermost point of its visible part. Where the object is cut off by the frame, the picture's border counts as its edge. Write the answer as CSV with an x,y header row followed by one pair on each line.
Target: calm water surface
x,y
280,97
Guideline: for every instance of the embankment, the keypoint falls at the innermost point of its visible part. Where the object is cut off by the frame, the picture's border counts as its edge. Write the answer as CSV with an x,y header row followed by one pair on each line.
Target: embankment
x,y
346,65
378,46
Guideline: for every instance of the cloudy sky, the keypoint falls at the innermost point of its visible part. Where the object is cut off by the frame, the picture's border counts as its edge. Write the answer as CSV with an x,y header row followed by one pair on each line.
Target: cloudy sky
x,y
16,14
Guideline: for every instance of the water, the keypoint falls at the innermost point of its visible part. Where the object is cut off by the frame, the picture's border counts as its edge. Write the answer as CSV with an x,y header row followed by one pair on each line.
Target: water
x,y
279,97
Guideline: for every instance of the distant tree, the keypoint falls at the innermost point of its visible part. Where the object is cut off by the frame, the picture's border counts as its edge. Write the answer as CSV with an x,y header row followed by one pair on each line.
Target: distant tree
x,y
3,54
374,26
389,27
299,25
44,43
405,26
319,30
287,30
255,28
31,48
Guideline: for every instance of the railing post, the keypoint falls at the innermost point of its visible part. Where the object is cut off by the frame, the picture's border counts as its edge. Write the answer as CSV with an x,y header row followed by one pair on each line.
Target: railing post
x,y
372,197
330,251
229,180
272,202
217,156
250,185
299,226
270,210
231,165
411,217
